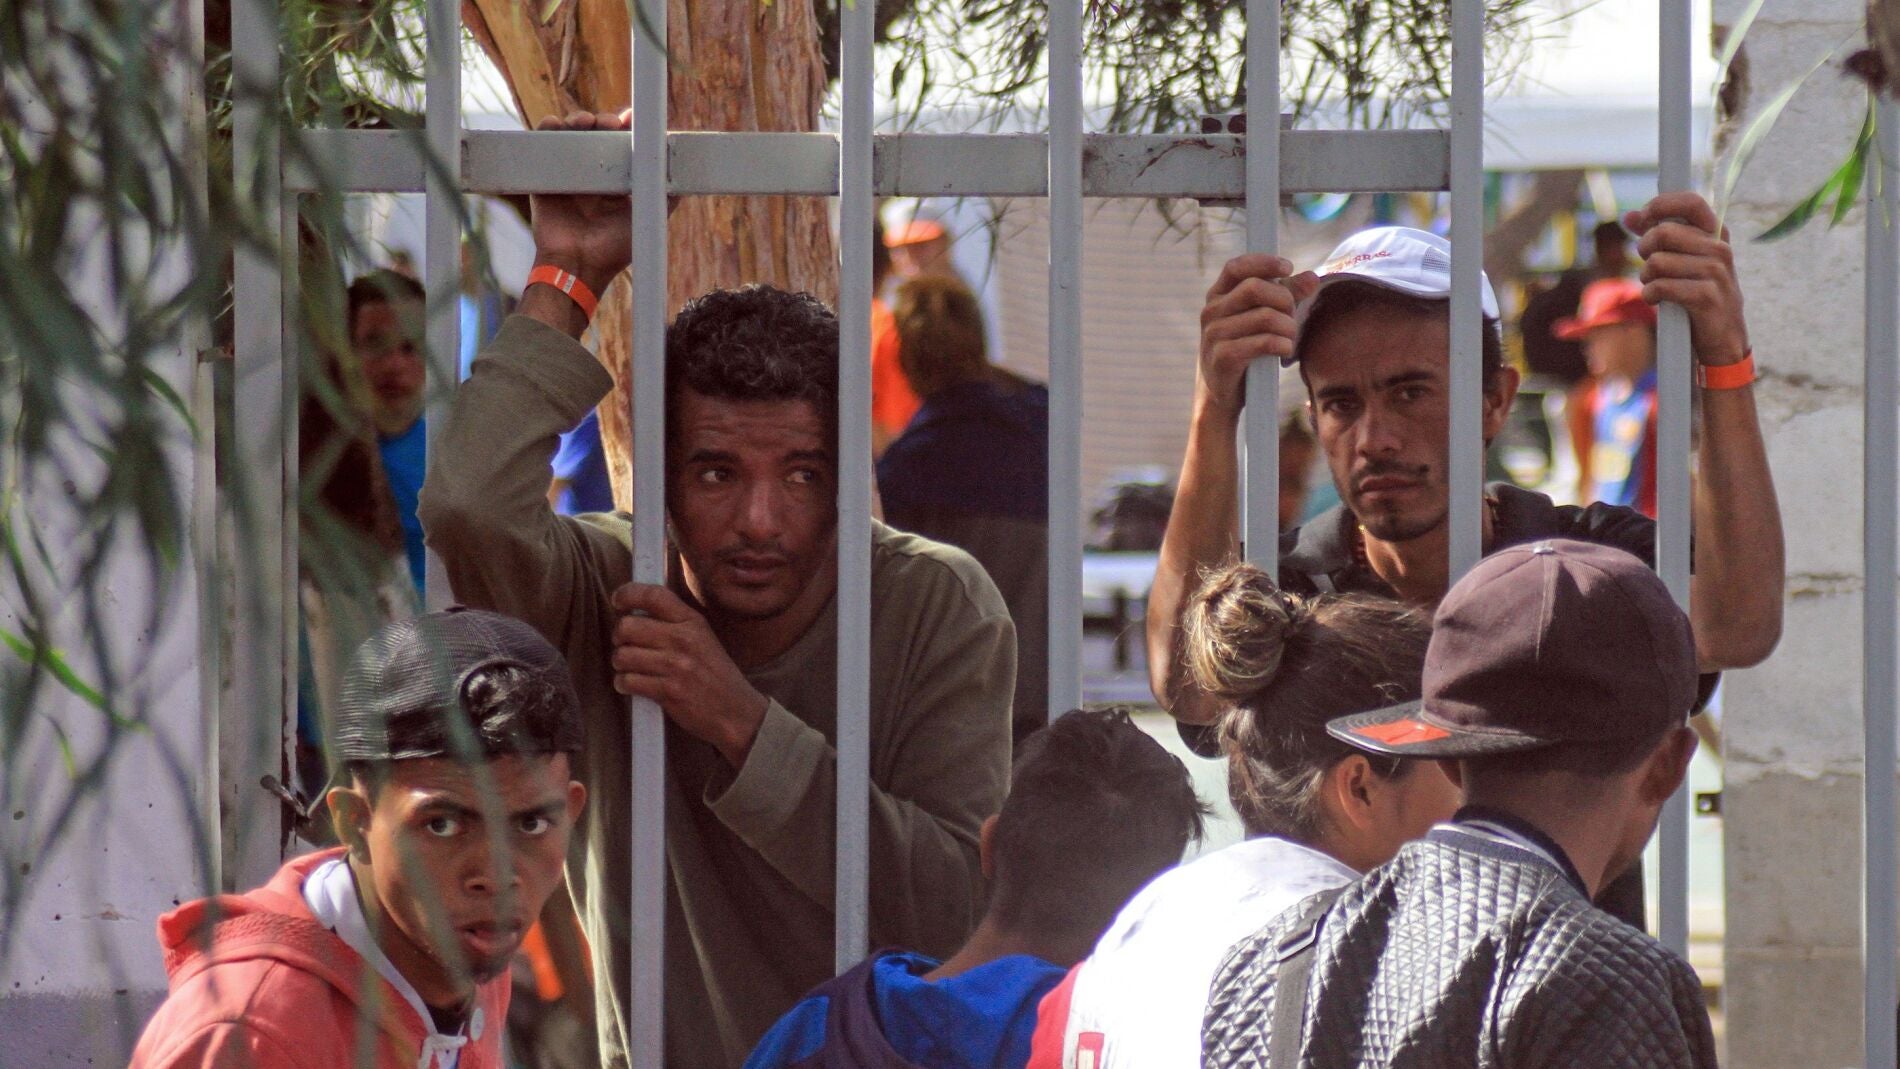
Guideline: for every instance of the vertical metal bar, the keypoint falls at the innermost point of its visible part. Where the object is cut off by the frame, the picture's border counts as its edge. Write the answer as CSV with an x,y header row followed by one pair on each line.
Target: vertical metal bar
x,y
1673,383
293,349
1880,687
852,891
1466,468
1065,355
249,741
442,239
646,1002
1260,474
207,560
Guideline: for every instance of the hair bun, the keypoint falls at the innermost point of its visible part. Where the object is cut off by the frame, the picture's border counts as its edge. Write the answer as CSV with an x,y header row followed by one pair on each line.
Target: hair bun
x,y
1238,627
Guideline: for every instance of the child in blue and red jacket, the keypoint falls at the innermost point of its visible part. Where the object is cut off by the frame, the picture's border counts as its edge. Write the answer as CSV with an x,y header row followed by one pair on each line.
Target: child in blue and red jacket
x,y
1617,328
1096,808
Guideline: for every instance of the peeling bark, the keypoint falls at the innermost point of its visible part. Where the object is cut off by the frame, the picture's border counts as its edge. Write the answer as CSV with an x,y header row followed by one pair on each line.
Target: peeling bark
x,y
1524,222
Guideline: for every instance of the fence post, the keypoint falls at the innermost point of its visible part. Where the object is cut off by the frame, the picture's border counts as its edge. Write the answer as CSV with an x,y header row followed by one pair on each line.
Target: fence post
x,y
646,927
1465,472
1880,927
1674,368
1260,469
1065,355
254,728
852,889
442,240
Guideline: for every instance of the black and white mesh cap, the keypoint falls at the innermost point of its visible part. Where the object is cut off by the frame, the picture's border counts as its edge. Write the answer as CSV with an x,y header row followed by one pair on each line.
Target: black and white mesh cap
x,y
462,683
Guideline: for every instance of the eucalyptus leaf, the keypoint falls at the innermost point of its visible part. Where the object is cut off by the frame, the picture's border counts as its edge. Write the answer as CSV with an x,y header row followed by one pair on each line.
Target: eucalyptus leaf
x,y
1842,187
1757,130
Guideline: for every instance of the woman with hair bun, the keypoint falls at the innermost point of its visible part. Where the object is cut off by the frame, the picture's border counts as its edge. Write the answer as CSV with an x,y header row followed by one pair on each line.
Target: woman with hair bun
x,y
1317,812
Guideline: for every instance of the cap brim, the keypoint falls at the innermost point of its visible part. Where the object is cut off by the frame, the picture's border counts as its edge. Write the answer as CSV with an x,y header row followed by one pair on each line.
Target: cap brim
x,y
1326,282
1409,731
1572,329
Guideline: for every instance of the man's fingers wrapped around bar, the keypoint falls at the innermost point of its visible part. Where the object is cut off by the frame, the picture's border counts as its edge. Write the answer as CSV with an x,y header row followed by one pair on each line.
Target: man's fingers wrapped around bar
x,y
1246,266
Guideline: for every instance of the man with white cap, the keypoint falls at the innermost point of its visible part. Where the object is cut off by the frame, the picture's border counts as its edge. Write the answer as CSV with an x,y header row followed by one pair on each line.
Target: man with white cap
x,y
1370,333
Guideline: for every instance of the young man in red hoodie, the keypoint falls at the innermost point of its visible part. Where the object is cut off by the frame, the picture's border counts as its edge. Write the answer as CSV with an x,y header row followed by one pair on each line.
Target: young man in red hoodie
x,y
455,732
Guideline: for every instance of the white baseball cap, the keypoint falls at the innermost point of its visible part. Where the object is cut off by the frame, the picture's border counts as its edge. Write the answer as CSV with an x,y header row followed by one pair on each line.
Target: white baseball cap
x,y
1400,258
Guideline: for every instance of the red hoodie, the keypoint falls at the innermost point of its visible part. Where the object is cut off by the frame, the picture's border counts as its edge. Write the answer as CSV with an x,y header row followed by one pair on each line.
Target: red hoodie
x,y
258,983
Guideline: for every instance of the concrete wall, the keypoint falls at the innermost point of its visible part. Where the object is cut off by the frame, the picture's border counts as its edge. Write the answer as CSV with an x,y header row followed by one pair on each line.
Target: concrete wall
x,y
1792,793
97,822
1144,277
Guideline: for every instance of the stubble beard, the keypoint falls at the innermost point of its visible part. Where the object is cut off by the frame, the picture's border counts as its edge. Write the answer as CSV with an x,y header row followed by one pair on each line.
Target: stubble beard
x,y
1392,526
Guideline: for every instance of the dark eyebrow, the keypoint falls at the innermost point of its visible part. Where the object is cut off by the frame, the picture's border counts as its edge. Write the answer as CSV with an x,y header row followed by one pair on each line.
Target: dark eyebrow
x,y
549,810
813,456
1332,392
1405,377
711,456
461,812
449,807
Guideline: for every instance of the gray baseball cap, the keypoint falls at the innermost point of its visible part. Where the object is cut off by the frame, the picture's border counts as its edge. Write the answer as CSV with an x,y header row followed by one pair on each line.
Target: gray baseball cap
x,y
431,686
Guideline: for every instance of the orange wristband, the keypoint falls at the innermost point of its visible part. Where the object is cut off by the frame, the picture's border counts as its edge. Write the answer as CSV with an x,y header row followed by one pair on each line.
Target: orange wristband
x,y
577,290
1727,376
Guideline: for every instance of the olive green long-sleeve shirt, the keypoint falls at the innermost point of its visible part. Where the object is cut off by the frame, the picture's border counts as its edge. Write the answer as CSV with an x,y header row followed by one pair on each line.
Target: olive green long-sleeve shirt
x,y
750,850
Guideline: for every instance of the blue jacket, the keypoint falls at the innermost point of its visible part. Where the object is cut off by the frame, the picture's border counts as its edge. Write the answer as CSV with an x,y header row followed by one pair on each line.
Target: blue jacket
x,y
884,1015
977,447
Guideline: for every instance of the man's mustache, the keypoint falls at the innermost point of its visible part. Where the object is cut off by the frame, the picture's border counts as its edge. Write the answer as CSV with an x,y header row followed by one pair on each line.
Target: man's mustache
x,y
1378,469
773,549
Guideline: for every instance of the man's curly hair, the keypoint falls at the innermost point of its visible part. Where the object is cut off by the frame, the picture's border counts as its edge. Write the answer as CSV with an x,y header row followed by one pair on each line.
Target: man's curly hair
x,y
756,343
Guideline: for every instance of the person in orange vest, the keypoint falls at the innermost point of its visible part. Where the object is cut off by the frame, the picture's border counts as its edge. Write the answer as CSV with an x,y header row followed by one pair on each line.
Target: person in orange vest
x,y
893,400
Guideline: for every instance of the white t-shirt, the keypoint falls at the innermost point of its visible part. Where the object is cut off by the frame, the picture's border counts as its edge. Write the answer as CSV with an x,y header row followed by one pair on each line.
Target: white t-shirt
x,y
330,893
1137,1002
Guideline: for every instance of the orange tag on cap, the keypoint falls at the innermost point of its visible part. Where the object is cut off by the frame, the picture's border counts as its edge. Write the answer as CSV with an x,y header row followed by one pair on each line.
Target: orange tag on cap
x,y
1402,732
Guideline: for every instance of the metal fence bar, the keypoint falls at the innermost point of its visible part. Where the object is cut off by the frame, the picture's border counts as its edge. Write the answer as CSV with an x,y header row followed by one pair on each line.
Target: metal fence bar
x,y
442,241
252,737
855,207
1203,166
1065,355
1465,472
646,927
1260,472
209,564
1674,367
1880,686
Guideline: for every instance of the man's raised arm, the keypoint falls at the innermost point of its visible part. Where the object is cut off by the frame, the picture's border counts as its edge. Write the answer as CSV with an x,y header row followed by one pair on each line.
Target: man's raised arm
x,y
1248,316
1735,597
484,505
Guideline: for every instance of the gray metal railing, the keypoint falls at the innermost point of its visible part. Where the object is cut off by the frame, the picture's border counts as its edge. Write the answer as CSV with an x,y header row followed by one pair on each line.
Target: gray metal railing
x,y
646,923
1880,685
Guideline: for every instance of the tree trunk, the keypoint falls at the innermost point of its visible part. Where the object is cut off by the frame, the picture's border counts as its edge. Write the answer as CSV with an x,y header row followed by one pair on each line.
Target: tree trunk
x,y
739,65
1523,222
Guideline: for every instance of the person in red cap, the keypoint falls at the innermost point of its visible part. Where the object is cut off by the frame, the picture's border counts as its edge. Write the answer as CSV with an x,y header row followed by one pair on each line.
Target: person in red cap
x,y
1617,329
1557,691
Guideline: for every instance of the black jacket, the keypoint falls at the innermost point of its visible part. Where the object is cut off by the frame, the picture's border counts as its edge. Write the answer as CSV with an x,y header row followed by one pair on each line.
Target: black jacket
x,y
1466,951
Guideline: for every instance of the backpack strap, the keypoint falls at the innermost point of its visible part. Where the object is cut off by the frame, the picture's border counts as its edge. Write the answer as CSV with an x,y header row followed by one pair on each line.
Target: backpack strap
x,y
1293,968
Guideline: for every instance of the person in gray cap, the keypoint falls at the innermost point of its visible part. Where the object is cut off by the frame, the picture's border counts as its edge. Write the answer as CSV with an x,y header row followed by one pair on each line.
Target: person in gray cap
x,y
1558,684
455,799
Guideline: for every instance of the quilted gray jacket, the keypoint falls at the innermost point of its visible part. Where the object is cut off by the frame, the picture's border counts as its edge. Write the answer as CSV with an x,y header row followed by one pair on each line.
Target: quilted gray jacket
x,y
1477,948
